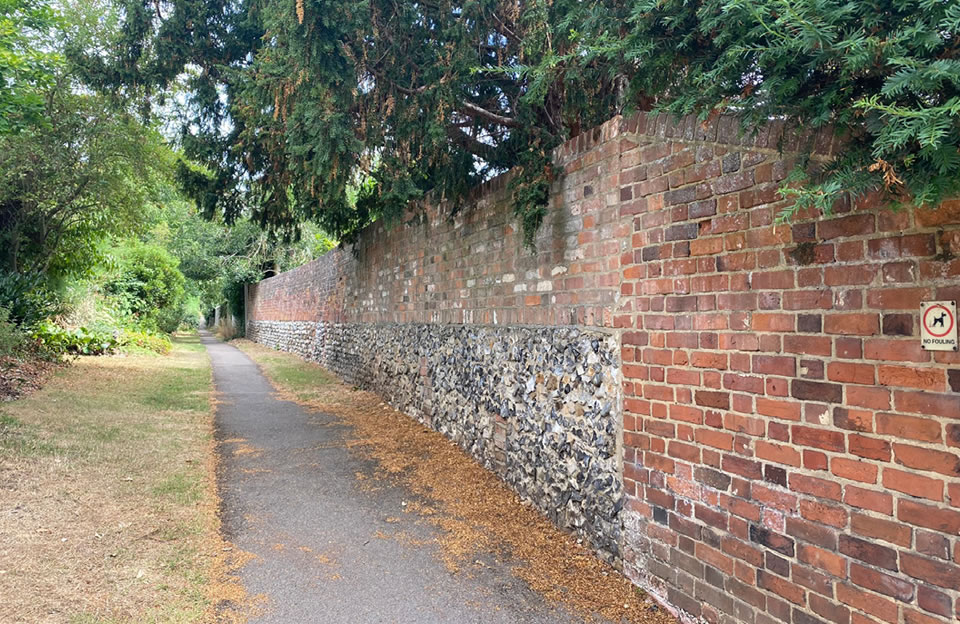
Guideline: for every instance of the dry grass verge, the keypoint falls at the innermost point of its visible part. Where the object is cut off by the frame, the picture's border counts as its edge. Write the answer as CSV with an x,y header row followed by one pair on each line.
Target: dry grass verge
x,y
108,506
474,511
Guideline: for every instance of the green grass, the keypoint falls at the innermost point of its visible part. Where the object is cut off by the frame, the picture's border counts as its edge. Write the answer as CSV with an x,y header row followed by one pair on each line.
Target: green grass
x,y
289,371
296,375
22,440
185,488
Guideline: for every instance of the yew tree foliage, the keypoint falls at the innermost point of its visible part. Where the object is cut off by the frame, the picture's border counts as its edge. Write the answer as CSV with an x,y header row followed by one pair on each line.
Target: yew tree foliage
x,y
884,72
293,102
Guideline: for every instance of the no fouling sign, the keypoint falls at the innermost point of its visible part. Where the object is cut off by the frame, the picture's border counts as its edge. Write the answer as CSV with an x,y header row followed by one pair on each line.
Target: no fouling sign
x,y
938,325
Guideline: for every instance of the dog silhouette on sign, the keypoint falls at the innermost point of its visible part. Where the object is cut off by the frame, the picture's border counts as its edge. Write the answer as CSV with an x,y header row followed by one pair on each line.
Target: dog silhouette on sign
x,y
940,320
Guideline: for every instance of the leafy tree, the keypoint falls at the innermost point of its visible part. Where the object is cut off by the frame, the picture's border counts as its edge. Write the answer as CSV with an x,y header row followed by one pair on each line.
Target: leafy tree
x,y
76,168
26,68
66,185
289,99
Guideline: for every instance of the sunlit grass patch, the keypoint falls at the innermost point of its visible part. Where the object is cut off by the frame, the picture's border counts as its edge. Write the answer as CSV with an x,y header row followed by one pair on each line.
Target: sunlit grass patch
x,y
304,379
20,439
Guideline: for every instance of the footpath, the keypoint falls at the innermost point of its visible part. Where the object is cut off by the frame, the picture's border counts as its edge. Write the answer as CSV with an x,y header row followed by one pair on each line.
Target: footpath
x,y
323,547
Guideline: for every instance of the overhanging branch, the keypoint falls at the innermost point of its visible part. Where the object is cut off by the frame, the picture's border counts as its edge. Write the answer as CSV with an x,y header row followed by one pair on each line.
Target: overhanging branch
x,y
472,110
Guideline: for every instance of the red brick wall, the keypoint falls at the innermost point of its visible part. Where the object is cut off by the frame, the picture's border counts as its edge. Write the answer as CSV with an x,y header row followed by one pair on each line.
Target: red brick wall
x,y
312,292
791,452
472,267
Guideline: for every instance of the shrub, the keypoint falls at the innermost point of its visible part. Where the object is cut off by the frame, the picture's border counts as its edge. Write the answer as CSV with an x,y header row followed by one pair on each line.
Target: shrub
x,y
81,341
12,340
149,286
157,343
26,298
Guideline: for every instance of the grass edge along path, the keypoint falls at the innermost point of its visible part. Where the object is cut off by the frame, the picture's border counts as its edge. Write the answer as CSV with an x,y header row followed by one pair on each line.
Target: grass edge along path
x,y
473,510
108,499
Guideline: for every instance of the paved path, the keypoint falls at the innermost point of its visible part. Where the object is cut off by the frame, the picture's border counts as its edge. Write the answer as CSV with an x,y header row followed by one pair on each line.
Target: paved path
x,y
291,496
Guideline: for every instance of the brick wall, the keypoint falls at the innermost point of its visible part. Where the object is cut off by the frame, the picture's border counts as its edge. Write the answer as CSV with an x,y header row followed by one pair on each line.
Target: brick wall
x,y
789,453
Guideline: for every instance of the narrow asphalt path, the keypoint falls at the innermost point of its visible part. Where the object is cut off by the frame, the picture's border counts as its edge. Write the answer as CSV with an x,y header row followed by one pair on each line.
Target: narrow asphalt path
x,y
328,547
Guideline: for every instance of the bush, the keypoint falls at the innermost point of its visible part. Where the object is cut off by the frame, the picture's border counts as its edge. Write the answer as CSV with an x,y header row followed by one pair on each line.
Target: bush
x,y
149,286
157,343
12,340
26,299
81,341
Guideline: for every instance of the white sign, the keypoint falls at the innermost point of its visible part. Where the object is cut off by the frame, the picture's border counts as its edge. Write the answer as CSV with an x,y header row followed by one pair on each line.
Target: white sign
x,y
938,325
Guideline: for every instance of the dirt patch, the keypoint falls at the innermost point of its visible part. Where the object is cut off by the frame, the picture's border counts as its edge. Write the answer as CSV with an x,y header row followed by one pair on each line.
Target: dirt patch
x,y
20,378
474,511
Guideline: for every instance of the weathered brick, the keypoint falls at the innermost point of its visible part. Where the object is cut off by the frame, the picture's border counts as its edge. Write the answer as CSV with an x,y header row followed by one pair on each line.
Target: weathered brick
x,y
936,518
851,372
882,583
912,427
685,231
880,502
775,541
853,419
939,573
897,325
869,552
878,528
820,488
934,601
927,403
912,377
852,324
853,225
816,391
781,587
869,448
913,484
818,438
877,606
931,460
854,470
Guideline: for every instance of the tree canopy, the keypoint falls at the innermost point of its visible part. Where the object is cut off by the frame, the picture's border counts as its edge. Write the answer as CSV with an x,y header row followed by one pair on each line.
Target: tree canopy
x,y
291,101
26,67
93,227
